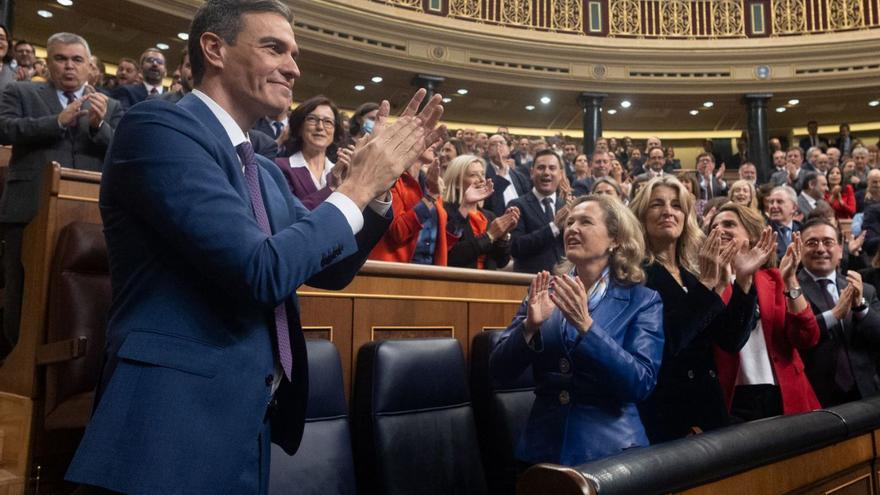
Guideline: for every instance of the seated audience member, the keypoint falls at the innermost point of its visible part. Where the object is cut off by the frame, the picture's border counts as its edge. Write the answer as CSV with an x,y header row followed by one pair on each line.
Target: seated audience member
x,y
7,73
743,192
781,208
59,120
621,175
763,194
418,232
834,156
654,165
153,70
581,169
780,175
815,185
709,210
841,367
748,172
127,72
860,158
672,163
692,275
41,71
485,240
509,183
569,154
599,167
277,129
765,377
711,182
594,342
362,121
451,149
840,195
609,187
25,57
315,132
536,242
186,82
869,194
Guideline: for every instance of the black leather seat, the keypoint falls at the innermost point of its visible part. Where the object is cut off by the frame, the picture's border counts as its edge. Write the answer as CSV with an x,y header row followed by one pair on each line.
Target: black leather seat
x,y
323,464
501,411
414,426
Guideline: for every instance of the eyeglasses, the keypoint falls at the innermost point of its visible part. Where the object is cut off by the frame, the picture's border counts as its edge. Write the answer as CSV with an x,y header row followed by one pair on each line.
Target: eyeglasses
x,y
315,120
814,243
154,60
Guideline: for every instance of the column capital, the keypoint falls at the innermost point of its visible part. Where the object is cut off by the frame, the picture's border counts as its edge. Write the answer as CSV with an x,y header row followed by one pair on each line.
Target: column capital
x,y
427,81
757,97
587,99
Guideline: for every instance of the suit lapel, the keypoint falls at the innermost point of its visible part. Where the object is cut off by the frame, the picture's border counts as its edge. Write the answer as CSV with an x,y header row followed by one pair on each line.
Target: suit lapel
x,y
613,305
813,292
50,97
532,201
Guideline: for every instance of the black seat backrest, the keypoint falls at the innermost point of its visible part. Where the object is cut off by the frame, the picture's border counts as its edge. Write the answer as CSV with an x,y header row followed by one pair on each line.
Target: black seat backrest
x,y
323,465
501,411
414,426
79,299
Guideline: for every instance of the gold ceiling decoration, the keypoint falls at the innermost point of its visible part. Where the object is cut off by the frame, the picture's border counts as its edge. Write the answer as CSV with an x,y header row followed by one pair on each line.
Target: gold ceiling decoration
x,y
567,15
466,8
516,12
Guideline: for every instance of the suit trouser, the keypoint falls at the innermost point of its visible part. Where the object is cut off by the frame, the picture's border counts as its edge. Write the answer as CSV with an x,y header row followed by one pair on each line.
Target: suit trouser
x,y
13,278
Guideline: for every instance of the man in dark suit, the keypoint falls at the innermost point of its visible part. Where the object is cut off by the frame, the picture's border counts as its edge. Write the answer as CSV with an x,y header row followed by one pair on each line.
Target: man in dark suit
x,y
781,208
509,183
841,367
711,183
205,354
152,70
600,166
813,139
536,241
61,120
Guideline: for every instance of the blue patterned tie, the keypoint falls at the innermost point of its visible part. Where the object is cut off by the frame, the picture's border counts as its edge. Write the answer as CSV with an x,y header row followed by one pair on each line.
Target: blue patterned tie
x,y
251,175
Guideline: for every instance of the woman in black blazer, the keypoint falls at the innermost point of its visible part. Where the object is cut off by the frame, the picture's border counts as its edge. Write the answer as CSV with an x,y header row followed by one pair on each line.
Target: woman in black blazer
x,y
701,308
484,241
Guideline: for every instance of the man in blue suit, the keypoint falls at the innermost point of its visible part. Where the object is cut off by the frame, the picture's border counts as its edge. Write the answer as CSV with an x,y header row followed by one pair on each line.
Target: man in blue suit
x,y
153,71
205,358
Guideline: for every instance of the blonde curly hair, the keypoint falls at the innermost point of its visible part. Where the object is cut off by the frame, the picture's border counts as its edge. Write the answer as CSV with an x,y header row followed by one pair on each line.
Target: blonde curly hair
x,y
625,260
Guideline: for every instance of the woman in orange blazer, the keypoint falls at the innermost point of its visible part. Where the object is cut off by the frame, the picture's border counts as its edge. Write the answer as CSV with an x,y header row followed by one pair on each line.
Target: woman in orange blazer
x,y
766,377
416,199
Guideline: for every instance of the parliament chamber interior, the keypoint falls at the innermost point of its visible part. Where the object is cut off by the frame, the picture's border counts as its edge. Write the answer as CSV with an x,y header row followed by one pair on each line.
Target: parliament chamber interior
x,y
696,123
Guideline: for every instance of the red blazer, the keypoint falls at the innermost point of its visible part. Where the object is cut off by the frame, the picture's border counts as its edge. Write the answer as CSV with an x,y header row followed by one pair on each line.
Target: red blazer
x,y
845,207
399,241
784,333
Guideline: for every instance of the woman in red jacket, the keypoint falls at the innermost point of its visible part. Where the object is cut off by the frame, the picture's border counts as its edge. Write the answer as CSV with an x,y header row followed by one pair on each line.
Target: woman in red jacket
x,y
766,377
840,196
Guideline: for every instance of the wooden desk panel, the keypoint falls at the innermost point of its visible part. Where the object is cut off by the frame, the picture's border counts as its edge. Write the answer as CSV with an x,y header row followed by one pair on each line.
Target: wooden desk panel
x,y
331,318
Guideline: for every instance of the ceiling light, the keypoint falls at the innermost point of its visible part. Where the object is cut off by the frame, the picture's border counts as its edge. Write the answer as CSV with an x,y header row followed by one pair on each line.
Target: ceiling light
x,y
612,111
183,36
376,79
462,91
708,104
694,112
45,14
793,101
874,103
625,104
530,107
66,3
162,46
359,87
780,109
447,99
545,99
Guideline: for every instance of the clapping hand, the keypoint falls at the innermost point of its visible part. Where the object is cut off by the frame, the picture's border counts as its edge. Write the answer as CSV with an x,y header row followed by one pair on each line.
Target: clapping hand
x,y
502,225
476,193
539,305
748,261
856,243
791,260
339,172
712,260
570,296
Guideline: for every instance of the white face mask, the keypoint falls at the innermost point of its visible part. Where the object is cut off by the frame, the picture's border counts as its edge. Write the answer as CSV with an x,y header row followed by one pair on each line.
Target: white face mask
x,y
368,126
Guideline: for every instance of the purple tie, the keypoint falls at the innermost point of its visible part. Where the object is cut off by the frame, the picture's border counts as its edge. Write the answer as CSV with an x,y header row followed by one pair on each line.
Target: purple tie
x,y
71,97
251,176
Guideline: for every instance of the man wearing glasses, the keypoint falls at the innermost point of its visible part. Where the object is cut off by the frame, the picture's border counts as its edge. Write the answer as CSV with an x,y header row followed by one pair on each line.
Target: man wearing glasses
x,y
153,71
840,367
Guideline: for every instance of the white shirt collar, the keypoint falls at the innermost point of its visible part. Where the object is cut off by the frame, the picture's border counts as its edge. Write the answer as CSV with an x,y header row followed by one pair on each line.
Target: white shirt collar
x,y
297,160
816,278
63,99
236,135
150,87
541,197
809,199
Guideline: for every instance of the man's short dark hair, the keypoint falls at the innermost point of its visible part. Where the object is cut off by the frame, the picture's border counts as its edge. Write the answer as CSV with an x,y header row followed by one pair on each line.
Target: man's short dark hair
x,y
22,42
818,220
545,152
810,179
129,61
223,18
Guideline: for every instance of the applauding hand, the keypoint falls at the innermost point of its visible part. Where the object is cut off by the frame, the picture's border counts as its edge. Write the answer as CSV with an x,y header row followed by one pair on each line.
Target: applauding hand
x,y
540,307
570,296
748,261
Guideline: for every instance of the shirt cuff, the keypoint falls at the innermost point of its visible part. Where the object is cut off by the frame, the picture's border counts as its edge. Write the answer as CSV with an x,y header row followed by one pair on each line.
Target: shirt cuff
x,y
555,229
829,318
349,209
863,313
380,207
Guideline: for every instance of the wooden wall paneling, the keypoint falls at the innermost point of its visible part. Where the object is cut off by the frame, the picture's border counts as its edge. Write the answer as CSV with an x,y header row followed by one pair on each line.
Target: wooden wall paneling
x,y
16,413
331,318
830,467
486,316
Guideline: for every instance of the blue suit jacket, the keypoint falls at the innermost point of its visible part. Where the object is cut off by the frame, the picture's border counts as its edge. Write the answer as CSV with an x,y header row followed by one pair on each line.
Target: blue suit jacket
x,y
130,94
532,243
183,398
603,374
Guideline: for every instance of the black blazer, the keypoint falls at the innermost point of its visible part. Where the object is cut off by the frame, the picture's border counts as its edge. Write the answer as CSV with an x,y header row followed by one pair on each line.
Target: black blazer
x,y
781,246
860,338
469,247
495,202
130,94
532,243
688,392
29,122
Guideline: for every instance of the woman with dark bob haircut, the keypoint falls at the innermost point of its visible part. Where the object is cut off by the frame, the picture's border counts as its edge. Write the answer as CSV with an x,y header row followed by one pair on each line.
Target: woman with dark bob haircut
x,y
315,133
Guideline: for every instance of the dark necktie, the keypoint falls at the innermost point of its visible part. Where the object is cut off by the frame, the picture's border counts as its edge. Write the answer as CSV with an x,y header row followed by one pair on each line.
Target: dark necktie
x,y
154,91
548,209
251,175
843,377
277,127
71,97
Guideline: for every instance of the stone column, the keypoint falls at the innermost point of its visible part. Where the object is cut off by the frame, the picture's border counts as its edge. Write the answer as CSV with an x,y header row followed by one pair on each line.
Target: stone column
x,y
759,145
592,105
